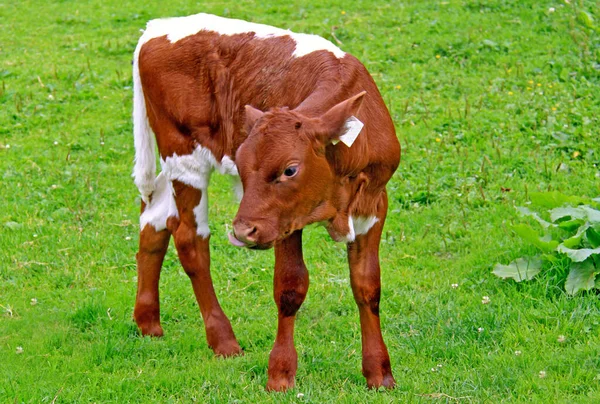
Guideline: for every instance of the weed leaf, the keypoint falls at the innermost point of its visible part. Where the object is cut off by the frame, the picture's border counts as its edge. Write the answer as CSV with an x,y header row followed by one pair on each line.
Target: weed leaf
x,y
581,277
576,239
530,235
527,212
570,225
593,237
520,269
593,215
578,255
573,213
554,199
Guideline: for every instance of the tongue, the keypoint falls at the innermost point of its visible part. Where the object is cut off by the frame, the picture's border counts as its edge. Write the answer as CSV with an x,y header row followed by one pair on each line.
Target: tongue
x,y
235,241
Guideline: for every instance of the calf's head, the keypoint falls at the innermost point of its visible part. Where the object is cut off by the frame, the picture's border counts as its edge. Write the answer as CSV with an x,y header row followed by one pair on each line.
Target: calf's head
x,y
288,182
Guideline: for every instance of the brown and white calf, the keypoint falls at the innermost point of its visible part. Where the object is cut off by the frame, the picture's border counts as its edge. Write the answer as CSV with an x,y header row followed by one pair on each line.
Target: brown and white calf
x,y
305,128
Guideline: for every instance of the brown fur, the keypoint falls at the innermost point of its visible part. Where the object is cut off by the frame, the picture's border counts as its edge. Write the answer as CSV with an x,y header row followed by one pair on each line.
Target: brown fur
x,y
196,92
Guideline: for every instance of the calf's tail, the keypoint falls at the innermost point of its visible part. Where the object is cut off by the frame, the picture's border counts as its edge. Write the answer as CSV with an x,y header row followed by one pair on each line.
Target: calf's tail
x,y
144,171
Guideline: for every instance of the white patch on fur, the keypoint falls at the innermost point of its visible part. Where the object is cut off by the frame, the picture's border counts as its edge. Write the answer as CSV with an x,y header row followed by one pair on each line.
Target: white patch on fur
x,y
181,27
351,236
201,215
191,169
195,170
161,207
228,166
363,224
307,43
238,188
359,225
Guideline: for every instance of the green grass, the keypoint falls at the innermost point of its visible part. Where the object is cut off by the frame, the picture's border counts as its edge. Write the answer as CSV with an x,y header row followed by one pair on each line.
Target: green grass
x,y
491,100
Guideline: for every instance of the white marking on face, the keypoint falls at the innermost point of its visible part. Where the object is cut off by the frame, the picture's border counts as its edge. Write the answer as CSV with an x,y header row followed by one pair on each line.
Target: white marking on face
x,y
181,27
161,206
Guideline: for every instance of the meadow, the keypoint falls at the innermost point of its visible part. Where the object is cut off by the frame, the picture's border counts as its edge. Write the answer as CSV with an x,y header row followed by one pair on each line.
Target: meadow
x,y
492,100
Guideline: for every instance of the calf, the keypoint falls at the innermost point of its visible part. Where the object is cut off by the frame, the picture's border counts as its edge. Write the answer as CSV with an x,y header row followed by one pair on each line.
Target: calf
x,y
305,128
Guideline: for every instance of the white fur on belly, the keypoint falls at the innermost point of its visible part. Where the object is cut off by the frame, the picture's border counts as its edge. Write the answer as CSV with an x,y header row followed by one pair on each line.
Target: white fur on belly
x,y
181,27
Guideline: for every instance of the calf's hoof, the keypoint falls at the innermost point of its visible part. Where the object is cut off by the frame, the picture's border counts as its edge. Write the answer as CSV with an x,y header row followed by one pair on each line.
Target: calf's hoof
x,y
280,383
227,348
387,381
151,329
220,337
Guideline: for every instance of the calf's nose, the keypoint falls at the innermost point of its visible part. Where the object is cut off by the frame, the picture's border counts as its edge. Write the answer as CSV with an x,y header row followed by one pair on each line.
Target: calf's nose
x,y
244,232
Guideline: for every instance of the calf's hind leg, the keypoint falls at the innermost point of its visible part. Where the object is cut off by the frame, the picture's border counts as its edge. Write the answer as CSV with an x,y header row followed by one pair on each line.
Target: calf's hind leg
x,y
363,257
194,253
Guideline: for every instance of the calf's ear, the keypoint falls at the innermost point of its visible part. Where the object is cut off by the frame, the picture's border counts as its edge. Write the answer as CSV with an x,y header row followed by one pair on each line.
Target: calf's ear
x,y
252,115
332,124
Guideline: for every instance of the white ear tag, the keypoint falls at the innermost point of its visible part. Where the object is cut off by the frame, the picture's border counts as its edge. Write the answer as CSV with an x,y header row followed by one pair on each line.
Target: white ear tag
x,y
351,131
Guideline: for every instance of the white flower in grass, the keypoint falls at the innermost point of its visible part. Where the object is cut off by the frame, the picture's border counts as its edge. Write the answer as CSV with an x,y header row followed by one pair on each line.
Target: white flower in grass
x,y
127,238
551,10
19,350
518,353
542,374
561,338
480,330
485,300
55,143
33,301
7,146
454,285
299,395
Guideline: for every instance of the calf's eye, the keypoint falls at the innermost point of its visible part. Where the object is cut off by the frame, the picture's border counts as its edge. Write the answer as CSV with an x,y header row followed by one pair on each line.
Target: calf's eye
x,y
290,171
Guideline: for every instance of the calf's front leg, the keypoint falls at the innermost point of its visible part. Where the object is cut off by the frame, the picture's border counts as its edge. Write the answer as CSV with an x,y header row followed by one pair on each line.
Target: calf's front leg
x,y
290,285
363,257
194,254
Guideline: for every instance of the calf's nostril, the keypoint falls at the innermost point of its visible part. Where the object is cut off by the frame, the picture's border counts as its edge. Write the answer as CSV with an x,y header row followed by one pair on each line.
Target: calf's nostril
x,y
245,232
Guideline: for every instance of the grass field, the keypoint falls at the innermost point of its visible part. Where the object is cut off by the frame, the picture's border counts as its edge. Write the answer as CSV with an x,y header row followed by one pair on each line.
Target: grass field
x,y
491,99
